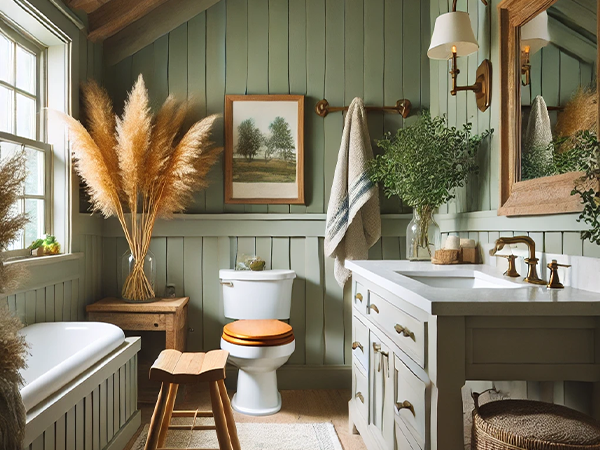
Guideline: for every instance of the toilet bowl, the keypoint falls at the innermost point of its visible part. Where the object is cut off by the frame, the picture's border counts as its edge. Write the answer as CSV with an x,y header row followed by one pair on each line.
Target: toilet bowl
x,y
258,343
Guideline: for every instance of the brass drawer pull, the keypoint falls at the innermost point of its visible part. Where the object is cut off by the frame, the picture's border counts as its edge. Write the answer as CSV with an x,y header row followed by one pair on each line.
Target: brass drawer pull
x,y
359,297
356,345
405,332
374,308
376,347
406,405
360,397
226,283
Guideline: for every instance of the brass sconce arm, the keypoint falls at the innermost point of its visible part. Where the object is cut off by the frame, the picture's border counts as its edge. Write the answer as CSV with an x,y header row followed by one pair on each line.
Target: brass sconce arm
x,y
525,67
482,86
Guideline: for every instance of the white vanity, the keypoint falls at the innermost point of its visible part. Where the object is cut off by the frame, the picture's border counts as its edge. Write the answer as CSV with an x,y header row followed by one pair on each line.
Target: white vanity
x,y
420,331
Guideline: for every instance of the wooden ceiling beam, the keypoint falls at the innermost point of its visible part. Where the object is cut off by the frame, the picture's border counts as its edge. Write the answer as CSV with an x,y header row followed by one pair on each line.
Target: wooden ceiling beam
x,y
88,6
112,17
149,28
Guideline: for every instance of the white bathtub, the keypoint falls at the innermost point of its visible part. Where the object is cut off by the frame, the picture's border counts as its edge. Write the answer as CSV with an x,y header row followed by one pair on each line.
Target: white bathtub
x,y
61,351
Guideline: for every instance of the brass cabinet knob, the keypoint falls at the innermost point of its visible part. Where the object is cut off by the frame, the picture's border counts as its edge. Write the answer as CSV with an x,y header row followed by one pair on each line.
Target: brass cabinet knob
x,y
359,297
360,397
406,405
405,332
356,345
374,308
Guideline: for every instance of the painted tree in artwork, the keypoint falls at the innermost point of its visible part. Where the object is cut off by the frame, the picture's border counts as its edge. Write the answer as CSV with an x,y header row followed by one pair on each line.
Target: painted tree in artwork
x,y
249,139
281,140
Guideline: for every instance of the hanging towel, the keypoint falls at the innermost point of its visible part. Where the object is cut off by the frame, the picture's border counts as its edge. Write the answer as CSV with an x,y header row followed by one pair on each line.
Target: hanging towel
x,y
539,130
353,220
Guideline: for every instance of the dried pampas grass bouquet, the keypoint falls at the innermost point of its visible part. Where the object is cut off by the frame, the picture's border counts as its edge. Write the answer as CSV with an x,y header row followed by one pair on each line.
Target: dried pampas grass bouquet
x,y
138,167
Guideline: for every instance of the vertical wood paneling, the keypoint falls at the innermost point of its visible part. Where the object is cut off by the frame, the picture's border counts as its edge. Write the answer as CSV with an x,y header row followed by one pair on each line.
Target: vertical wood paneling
x,y
215,92
192,274
196,66
110,430
178,59
158,246
109,268
103,399
50,438
40,305
298,311
96,418
175,264
143,64
280,255
333,317
315,345
79,425
70,429
20,306
315,87
116,405
160,80
30,306
374,48
68,298
75,303
263,250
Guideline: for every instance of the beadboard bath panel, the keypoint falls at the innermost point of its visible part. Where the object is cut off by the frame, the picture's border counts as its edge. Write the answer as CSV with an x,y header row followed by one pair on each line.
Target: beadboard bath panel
x,y
97,410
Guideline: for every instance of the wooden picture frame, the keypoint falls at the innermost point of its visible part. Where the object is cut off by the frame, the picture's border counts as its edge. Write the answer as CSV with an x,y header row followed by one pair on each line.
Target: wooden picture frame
x,y
264,149
547,195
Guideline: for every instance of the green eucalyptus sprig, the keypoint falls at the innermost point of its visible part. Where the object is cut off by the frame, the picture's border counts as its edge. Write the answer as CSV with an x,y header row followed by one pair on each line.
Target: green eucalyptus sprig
x,y
424,163
589,148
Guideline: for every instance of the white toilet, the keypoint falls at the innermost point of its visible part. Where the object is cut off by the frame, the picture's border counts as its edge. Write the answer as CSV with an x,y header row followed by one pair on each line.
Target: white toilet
x,y
258,343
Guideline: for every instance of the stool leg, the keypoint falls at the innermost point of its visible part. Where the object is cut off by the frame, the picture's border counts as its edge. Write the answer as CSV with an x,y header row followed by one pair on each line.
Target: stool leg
x,y
167,415
235,442
156,421
219,414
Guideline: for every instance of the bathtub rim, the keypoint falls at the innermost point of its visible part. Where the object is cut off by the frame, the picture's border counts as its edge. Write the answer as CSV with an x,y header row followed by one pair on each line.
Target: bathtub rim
x,y
49,410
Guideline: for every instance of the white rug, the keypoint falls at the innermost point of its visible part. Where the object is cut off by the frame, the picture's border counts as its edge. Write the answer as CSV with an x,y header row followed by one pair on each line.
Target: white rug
x,y
257,436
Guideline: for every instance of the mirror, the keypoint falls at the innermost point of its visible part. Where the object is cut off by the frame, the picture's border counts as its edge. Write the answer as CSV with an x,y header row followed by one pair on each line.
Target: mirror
x,y
571,23
558,58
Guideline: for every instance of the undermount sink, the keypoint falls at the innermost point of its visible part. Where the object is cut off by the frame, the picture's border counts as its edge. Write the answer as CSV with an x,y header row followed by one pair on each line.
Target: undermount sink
x,y
461,280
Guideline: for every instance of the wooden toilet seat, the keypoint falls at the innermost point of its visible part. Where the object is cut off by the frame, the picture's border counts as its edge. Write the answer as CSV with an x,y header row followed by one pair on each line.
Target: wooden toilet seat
x,y
258,333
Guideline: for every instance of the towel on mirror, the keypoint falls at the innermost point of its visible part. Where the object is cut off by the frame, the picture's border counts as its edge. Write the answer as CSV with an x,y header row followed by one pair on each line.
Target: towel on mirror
x,y
353,219
539,130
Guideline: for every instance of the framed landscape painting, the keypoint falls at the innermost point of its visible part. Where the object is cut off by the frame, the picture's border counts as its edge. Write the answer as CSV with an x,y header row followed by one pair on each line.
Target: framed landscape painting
x,y
264,149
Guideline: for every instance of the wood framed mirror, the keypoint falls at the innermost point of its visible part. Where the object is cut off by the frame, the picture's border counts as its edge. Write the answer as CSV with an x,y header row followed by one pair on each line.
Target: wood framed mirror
x,y
532,178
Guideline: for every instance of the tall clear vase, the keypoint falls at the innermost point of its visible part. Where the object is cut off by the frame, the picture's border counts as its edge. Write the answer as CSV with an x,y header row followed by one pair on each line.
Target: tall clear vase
x,y
138,280
423,236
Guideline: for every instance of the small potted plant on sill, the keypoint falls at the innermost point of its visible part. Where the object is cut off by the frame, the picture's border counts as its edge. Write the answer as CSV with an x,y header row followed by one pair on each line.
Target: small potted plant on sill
x,y
423,164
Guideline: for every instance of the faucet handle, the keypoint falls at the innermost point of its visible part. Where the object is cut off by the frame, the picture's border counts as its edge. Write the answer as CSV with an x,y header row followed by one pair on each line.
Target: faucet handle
x,y
511,271
554,280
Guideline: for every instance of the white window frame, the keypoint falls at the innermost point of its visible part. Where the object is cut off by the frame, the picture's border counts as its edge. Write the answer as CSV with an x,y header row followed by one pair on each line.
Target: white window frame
x,y
39,143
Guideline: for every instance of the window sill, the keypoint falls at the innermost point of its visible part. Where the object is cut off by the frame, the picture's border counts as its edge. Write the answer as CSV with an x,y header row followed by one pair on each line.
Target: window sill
x,y
33,261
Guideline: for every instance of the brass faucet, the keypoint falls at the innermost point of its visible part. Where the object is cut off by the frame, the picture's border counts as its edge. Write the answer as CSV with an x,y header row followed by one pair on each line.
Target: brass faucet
x,y
531,261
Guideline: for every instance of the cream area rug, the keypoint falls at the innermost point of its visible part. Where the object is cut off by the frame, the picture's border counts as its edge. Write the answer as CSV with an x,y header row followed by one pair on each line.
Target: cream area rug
x,y
257,436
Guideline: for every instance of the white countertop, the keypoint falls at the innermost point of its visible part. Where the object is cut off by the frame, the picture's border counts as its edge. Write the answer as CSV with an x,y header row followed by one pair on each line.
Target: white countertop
x,y
523,301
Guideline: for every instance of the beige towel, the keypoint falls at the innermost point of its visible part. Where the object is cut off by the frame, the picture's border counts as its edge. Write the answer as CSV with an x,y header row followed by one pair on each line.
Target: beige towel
x,y
353,220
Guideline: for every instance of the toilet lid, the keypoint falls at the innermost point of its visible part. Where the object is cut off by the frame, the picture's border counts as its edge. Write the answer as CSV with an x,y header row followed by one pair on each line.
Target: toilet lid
x,y
258,332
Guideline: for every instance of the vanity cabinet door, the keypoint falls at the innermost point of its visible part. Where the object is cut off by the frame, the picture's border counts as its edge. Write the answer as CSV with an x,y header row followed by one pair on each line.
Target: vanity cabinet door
x,y
360,342
360,297
381,395
360,391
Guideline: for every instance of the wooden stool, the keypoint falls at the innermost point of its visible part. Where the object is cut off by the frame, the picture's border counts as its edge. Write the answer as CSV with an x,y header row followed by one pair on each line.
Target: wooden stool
x,y
173,368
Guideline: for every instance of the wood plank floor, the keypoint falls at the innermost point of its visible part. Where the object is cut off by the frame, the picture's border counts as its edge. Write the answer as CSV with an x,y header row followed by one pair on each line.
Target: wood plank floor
x,y
298,407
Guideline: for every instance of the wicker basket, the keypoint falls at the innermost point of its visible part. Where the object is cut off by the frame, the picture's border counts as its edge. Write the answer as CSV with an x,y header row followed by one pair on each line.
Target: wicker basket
x,y
529,425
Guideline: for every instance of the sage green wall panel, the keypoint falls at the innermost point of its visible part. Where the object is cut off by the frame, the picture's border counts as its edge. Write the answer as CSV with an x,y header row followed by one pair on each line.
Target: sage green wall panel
x,y
193,276
196,66
160,83
298,312
315,87
374,47
263,250
334,87
178,60
159,248
175,264
333,316
215,94
354,50
236,43
315,344
553,242
49,304
572,244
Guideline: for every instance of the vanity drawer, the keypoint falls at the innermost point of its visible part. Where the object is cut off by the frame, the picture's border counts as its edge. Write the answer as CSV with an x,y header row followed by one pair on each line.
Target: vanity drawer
x,y
360,342
410,401
406,331
360,392
360,297
404,442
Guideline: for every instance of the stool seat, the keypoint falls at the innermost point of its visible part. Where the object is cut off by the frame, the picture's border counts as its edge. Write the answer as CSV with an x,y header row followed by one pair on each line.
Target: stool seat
x,y
258,333
175,367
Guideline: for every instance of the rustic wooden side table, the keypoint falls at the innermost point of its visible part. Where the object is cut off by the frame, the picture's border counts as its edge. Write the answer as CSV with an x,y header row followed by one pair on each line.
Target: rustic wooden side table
x,y
168,315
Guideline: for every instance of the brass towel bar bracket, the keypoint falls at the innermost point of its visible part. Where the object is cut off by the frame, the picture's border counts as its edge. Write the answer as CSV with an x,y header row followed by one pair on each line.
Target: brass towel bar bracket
x,y
402,107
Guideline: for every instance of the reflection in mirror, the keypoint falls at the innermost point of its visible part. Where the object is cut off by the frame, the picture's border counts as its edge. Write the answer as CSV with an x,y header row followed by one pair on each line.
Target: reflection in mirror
x,y
558,93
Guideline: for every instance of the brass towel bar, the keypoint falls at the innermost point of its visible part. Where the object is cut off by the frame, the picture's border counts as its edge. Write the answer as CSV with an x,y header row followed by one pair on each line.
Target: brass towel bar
x,y
402,107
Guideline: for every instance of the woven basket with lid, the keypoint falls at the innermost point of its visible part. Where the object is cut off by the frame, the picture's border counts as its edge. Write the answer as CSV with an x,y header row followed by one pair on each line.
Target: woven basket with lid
x,y
530,425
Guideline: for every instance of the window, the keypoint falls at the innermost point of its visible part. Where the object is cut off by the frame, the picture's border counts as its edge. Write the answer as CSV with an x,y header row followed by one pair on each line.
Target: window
x,y
21,127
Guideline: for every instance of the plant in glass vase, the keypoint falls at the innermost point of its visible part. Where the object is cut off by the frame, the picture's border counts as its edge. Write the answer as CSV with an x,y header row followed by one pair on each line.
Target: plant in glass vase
x,y
138,168
423,164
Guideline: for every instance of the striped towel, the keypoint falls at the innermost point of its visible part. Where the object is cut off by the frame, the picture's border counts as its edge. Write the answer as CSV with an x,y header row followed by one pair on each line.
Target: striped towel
x,y
353,220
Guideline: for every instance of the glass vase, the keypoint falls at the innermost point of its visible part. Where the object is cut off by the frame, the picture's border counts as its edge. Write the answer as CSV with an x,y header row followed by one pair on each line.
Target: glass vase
x,y
423,236
138,279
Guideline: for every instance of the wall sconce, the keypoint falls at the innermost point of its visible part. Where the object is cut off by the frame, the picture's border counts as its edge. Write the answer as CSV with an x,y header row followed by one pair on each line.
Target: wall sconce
x,y
453,37
534,36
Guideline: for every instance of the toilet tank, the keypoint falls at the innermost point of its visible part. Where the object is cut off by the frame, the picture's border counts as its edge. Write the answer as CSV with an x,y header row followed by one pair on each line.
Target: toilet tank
x,y
251,294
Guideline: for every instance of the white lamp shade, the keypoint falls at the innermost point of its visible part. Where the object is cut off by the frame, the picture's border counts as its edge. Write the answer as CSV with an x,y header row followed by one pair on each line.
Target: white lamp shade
x,y
452,29
534,34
